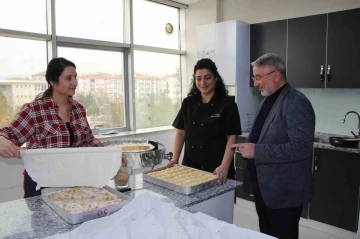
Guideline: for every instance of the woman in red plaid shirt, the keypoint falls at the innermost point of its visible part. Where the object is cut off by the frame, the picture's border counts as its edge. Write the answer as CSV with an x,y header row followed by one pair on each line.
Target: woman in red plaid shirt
x,y
52,120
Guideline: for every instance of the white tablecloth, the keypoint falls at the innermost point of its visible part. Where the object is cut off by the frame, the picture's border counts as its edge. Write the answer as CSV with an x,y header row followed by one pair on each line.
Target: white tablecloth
x,y
148,217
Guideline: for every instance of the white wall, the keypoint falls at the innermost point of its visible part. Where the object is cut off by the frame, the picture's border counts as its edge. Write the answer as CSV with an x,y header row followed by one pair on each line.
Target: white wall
x,y
11,177
197,14
330,104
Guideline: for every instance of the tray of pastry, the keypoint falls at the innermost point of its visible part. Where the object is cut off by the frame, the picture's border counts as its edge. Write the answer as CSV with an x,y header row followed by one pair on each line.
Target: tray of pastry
x,y
181,179
80,204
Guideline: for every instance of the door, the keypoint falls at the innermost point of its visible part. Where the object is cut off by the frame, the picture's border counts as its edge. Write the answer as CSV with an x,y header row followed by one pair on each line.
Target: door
x,y
344,49
336,188
269,37
307,51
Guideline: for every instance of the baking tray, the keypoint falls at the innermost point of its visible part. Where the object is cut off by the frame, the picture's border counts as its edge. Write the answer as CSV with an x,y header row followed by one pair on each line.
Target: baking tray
x,y
177,188
86,216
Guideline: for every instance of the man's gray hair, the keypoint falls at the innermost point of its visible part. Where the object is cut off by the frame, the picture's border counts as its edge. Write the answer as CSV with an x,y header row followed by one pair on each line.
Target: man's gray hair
x,y
273,61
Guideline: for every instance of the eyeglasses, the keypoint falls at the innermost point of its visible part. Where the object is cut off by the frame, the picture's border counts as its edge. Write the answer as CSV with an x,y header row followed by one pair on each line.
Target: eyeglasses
x,y
257,77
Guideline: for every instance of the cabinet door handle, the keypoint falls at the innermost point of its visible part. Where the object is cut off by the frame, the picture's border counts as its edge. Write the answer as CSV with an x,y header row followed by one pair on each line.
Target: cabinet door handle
x,y
329,73
316,163
321,73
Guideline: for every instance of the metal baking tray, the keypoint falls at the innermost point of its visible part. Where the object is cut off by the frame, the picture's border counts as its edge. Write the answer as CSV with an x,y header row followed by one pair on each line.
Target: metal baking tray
x,y
177,188
86,216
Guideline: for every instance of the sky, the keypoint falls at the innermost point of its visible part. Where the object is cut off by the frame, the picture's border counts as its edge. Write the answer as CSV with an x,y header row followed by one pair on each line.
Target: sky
x,y
92,19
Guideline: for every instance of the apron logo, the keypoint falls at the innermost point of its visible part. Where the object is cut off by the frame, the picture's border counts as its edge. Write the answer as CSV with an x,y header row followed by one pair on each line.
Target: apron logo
x,y
215,116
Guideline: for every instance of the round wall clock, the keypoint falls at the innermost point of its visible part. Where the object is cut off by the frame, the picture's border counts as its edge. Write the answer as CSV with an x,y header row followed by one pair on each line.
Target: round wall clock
x,y
169,28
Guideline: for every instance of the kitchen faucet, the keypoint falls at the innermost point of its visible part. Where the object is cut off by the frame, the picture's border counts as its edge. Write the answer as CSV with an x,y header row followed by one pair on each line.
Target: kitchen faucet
x,y
354,112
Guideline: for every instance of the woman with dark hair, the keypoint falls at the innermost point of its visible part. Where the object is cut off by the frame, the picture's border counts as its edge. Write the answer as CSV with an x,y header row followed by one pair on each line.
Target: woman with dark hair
x,y
208,123
53,120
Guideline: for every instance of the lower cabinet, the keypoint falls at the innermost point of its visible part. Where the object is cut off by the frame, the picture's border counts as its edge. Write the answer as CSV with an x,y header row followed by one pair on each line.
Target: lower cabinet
x,y
336,188
240,174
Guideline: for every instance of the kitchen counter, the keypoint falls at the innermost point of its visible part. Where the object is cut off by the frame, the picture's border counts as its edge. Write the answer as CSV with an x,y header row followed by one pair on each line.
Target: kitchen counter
x,y
329,146
32,218
319,135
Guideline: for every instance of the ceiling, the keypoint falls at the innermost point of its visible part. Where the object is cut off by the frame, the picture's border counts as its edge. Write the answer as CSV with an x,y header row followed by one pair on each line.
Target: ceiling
x,y
187,2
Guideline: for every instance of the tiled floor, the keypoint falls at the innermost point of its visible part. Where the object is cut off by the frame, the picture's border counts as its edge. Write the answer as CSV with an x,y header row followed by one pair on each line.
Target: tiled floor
x,y
245,216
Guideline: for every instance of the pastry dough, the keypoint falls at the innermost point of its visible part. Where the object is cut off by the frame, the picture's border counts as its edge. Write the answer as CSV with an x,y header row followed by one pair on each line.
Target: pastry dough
x,y
136,147
83,199
183,176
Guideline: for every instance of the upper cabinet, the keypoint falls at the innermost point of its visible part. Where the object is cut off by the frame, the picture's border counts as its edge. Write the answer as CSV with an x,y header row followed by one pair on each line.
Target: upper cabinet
x,y
307,51
269,37
321,51
343,52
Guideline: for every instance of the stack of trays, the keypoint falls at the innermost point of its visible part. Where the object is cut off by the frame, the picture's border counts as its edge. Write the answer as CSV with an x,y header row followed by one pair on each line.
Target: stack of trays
x,y
181,179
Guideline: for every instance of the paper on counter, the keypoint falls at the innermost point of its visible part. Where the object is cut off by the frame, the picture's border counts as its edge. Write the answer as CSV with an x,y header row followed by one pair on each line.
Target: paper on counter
x,y
69,167
148,217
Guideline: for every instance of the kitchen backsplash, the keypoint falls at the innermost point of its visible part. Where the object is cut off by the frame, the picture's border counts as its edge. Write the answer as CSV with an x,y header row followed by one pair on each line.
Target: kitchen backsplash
x,y
331,105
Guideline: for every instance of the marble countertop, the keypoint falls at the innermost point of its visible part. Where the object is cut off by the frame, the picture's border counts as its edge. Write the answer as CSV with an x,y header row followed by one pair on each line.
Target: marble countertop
x,y
320,135
32,218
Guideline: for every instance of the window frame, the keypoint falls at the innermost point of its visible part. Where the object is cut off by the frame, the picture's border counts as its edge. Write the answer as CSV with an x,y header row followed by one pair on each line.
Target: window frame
x,y
127,48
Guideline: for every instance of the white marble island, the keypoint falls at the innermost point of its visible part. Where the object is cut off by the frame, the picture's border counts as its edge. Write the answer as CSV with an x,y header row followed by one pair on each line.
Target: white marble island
x,y
32,218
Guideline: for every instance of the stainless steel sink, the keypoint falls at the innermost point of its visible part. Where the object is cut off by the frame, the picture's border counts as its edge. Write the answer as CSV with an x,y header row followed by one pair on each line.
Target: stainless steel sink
x,y
322,141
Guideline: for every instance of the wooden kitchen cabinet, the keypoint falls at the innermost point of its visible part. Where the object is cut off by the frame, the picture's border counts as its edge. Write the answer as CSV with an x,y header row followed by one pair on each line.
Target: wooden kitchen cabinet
x,y
268,37
343,49
307,51
336,188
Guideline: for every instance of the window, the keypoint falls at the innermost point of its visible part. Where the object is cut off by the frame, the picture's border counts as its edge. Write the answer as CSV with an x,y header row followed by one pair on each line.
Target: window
x,y
97,37
99,69
156,64
23,15
19,70
150,21
158,102
90,19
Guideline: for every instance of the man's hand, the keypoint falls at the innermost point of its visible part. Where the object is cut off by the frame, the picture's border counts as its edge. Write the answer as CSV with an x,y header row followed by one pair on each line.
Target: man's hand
x,y
8,149
247,150
172,162
221,173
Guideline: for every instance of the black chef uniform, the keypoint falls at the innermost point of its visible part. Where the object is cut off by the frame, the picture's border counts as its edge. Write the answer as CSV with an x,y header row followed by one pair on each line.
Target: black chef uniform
x,y
207,126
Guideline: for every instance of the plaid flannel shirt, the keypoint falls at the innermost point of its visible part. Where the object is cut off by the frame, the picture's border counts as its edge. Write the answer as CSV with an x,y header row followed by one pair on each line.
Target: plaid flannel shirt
x,y
39,125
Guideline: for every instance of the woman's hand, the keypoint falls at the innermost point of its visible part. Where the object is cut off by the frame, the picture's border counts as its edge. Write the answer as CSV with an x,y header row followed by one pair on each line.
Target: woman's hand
x,y
172,162
221,173
8,149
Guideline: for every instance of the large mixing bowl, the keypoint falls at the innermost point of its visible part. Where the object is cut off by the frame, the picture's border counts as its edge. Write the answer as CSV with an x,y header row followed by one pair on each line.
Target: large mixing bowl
x,y
140,161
